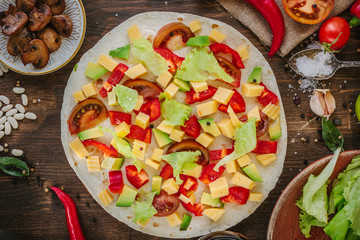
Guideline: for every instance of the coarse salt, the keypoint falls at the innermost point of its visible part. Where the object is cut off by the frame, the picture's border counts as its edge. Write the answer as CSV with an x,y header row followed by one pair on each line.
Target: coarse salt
x,y
317,66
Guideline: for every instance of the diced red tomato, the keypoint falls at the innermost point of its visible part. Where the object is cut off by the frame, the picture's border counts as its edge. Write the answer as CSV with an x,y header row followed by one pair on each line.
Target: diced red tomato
x,y
236,102
167,172
151,108
138,133
118,117
217,48
114,79
209,175
137,179
192,127
267,97
107,151
174,61
116,181
219,154
264,147
189,183
238,195
193,97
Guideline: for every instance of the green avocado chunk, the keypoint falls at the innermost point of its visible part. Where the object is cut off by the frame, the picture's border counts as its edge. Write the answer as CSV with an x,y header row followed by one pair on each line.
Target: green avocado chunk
x,y
252,172
183,86
275,129
208,200
156,184
185,223
255,76
209,126
90,133
161,138
199,41
127,197
121,52
95,71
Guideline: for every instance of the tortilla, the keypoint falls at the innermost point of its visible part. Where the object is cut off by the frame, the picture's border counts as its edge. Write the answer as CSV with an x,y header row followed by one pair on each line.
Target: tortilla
x,y
149,23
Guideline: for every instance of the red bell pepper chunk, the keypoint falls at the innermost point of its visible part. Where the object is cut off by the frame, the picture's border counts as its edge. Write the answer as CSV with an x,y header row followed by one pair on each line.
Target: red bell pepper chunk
x,y
193,97
238,195
196,209
167,172
151,108
209,175
114,79
189,183
265,147
236,102
267,97
138,133
137,179
192,127
219,154
118,117
174,61
223,48
116,181
107,151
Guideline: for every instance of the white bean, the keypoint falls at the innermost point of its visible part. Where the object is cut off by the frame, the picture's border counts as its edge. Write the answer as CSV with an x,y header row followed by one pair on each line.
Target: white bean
x,y
7,128
3,68
1,134
2,127
1,113
17,152
7,108
24,99
3,120
11,112
19,116
13,122
20,108
18,90
30,115
1,148
4,99
0,104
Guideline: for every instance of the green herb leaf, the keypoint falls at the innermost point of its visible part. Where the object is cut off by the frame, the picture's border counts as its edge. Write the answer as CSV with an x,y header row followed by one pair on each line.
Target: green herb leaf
x,y
121,52
75,67
14,167
331,135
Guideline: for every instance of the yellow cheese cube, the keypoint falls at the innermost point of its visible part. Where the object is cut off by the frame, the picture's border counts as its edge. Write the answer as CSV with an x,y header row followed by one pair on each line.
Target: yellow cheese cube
x,y
139,149
170,186
226,127
153,164
214,213
164,79
107,62
205,139
266,159
165,128
243,52
112,101
122,130
134,32
244,161
174,219
171,90
139,102
177,135
219,188
136,71
223,95
89,90
254,113
271,110
194,172
251,90
242,181
93,163
192,197
195,25
78,148
157,154
199,86
79,96
184,198
105,197
217,36
255,197
231,167
234,119
142,120
207,108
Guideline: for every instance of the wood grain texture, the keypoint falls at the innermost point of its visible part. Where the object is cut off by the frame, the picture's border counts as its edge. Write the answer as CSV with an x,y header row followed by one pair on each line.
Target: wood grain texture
x,y
29,212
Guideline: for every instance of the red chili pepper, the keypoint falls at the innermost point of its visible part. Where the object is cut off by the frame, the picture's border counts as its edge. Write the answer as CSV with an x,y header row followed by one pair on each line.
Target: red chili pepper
x,y
355,11
193,97
267,97
114,79
72,220
174,61
236,102
273,16
151,108
238,195
140,134
225,49
192,127
209,175
219,154
264,147
107,151
118,117
167,172
196,209
116,181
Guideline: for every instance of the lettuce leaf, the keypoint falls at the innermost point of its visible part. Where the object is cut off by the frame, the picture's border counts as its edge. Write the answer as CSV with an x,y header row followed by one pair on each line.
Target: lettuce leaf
x,y
338,227
175,113
352,206
126,97
143,208
201,65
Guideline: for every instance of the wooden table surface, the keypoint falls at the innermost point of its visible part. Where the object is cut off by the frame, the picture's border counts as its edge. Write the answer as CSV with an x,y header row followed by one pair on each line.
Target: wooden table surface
x,y
29,212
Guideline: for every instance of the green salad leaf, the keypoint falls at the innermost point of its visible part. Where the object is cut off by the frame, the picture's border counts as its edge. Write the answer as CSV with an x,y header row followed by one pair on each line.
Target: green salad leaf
x,y
331,135
121,52
174,112
143,208
352,206
338,226
126,97
14,166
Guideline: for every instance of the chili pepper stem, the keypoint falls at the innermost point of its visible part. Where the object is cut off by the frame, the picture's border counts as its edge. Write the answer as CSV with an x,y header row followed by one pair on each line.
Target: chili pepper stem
x,y
355,21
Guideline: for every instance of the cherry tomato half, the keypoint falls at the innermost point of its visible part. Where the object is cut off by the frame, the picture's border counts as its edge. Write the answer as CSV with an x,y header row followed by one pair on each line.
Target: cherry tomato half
x,y
191,145
231,70
145,88
165,204
331,29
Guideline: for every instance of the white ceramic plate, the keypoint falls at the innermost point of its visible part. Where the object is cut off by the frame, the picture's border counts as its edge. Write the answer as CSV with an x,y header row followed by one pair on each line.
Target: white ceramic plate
x,y
59,58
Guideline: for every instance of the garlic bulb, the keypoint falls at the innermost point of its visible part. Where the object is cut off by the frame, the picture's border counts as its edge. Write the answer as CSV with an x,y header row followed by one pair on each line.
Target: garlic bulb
x,y
322,103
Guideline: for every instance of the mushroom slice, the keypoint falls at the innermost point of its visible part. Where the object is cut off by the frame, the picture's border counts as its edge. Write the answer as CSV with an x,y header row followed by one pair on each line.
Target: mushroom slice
x,y
37,54
39,18
62,24
14,23
26,5
50,38
19,43
57,6
11,11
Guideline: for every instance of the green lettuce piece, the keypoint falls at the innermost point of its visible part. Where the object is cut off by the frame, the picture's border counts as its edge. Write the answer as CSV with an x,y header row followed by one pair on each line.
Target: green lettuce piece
x,y
181,161
143,208
175,113
126,97
352,206
143,52
338,227
351,236
245,142
201,65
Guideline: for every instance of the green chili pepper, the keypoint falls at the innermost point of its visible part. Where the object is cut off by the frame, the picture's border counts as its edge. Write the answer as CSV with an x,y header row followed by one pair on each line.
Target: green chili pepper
x,y
14,166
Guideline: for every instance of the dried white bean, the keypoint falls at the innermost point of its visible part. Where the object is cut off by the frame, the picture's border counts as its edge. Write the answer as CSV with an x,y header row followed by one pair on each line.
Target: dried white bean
x,y
13,122
3,68
3,120
18,90
7,108
1,113
17,152
19,116
11,112
4,99
1,134
1,148
20,108
0,104
2,127
7,128
30,115
24,99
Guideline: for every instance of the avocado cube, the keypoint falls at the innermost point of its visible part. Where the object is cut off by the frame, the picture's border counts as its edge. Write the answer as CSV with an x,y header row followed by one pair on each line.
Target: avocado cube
x,y
252,172
90,133
183,86
206,199
156,184
127,197
95,71
185,223
255,76
210,126
161,138
275,129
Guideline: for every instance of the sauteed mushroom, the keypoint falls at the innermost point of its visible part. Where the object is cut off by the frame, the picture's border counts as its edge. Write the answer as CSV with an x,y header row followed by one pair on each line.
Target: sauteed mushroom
x,y
19,43
39,18
25,5
57,6
62,24
50,38
14,23
37,54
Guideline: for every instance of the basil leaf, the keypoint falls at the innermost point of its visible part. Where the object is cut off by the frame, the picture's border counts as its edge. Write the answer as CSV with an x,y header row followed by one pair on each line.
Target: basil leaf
x,y
13,166
331,135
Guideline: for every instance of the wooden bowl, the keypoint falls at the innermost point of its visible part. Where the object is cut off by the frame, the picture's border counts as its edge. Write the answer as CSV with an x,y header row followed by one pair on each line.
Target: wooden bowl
x,y
284,221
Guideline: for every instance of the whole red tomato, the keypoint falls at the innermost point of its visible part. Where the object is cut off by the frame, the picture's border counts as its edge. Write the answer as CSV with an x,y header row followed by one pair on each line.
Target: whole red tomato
x,y
331,29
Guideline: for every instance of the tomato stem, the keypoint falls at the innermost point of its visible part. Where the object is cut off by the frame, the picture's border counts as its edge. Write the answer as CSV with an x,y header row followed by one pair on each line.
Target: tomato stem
x,y
327,46
355,21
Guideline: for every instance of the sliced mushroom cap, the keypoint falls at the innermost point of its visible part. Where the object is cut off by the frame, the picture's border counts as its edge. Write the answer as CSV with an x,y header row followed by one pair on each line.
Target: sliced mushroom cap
x,y
37,54
11,11
26,5
19,43
62,24
13,24
50,37
39,18
57,6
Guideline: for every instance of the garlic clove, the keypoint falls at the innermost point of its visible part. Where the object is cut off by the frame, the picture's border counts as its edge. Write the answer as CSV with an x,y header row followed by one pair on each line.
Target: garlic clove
x,y
322,102
330,103
316,104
